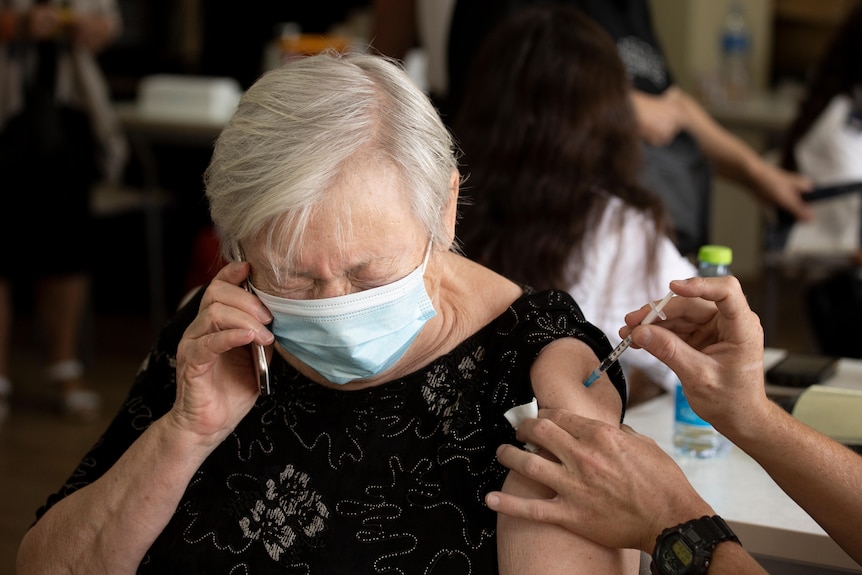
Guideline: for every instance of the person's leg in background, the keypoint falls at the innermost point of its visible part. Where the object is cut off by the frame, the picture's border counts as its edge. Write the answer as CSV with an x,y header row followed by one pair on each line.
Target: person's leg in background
x,y
61,302
59,216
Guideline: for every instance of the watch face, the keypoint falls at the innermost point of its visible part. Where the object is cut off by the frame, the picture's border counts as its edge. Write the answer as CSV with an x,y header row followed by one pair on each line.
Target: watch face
x,y
675,557
682,552
687,548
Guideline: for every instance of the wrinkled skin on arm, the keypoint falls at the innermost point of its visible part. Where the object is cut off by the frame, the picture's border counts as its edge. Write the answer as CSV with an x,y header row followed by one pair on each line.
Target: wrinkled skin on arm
x,y
526,546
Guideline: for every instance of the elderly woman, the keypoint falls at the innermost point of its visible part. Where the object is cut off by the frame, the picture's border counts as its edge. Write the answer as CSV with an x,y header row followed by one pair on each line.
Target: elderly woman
x,y
393,361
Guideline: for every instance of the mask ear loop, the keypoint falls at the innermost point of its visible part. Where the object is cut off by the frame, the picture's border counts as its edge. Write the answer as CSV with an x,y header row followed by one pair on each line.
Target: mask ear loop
x,y
427,256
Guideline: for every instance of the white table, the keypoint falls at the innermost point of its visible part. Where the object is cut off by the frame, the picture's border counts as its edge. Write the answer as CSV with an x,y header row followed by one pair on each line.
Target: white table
x,y
770,524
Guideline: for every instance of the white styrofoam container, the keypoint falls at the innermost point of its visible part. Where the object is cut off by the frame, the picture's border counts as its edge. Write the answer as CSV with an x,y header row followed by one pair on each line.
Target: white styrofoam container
x,y
196,98
833,411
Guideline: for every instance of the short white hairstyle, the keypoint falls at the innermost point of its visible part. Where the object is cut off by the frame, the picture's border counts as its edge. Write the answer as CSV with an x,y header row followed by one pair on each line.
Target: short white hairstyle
x,y
300,126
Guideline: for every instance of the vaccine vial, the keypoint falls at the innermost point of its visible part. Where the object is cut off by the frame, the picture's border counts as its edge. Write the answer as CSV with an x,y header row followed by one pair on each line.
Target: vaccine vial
x,y
693,436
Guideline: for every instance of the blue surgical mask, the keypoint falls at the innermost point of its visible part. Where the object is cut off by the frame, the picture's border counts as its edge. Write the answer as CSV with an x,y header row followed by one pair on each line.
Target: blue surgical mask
x,y
354,336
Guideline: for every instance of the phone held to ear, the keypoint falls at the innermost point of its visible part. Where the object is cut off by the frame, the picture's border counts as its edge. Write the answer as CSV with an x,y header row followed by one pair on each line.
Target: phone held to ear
x,y
258,354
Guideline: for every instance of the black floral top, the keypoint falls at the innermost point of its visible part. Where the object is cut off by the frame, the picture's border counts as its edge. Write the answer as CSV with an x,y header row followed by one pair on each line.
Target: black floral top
x,y
389,479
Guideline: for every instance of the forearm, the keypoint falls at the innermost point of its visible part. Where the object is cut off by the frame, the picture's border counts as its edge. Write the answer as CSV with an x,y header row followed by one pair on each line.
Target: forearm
x,y
821,475
9,25
526,546
108,526
531,547
730,155
98,32
15,25
729,558
95,31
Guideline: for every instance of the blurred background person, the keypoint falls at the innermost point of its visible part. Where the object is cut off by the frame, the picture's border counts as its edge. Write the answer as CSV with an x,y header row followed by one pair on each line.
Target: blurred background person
x,y
57,137
835,80
682,142
824,142
552,156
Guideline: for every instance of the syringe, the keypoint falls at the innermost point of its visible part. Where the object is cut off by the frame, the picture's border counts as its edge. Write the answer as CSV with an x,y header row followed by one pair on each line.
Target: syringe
x,y
624,344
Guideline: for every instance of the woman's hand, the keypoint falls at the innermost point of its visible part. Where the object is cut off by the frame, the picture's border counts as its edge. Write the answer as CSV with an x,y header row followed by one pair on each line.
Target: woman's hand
x,y
216,382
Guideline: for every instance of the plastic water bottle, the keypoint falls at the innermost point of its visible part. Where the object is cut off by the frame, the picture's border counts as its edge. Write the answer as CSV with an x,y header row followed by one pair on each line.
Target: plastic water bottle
x,y
735,71
692,436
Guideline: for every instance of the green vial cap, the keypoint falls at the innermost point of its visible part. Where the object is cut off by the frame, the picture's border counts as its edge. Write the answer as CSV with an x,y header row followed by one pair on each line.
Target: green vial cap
x,y
716,255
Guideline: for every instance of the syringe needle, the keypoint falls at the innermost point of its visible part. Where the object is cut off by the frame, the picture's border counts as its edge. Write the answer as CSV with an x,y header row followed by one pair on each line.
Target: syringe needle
x,y
624,344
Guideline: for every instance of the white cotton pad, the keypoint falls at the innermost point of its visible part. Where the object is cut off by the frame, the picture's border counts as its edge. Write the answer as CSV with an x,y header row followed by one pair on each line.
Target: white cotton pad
x,y
521,412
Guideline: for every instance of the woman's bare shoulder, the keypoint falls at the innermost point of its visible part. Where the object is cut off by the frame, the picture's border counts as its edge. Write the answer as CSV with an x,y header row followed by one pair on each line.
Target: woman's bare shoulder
x,y
476,293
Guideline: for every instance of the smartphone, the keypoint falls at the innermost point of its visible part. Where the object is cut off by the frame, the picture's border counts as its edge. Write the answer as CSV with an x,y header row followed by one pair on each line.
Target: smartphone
x,y
258,354
802,370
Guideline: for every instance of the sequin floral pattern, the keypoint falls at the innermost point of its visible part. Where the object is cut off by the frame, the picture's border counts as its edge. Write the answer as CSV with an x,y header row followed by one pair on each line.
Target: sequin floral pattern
x,y
389,479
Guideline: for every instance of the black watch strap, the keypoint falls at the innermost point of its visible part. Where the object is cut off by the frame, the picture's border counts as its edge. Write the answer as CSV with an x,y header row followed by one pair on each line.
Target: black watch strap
x,y
700,536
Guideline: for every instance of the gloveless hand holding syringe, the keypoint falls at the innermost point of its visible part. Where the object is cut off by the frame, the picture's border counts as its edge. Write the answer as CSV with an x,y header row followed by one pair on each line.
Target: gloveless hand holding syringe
x,y
624,344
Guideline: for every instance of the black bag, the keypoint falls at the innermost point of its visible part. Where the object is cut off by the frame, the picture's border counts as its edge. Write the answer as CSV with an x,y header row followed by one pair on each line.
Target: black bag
x,y
834,306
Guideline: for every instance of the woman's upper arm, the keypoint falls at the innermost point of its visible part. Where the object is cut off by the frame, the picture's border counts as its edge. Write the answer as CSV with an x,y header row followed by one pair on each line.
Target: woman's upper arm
x,y
558,376
530,547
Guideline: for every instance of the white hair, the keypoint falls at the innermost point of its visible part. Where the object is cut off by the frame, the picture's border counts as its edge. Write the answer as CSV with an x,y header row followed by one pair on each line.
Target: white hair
x,y
302,125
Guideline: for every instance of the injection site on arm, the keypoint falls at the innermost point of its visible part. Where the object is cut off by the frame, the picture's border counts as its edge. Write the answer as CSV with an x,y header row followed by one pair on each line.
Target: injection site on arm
x,y
624,344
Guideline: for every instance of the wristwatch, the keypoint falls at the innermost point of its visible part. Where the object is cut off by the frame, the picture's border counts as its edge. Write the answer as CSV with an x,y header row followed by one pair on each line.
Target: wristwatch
x,y
687,548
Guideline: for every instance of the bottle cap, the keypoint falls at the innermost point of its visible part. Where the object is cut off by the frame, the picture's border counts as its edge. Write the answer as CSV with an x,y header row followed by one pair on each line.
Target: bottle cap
x,y
717,255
